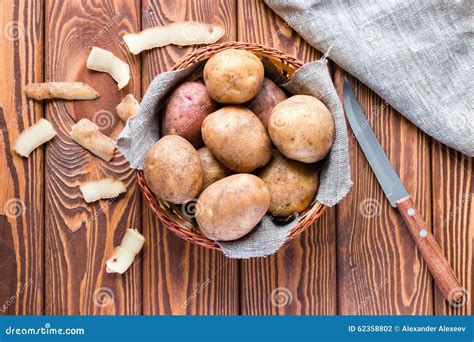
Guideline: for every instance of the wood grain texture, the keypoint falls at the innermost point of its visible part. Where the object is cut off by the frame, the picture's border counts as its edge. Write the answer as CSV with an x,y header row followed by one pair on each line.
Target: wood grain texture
x,y
301,277
21,184
380,270
182,278
453,203
80,236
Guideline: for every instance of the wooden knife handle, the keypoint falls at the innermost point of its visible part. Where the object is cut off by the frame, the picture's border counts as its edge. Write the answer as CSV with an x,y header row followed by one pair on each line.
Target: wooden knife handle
x,y
437,263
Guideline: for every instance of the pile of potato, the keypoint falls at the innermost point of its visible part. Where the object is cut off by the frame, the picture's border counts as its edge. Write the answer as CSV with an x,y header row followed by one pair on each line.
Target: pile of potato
x,y
260,147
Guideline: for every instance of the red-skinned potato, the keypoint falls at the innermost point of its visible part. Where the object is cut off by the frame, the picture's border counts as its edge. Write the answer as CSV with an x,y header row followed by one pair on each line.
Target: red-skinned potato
x,y
266,99
188,106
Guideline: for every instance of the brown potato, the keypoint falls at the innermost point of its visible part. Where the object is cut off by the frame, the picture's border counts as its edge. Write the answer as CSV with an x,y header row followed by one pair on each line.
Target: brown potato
x,y
187,108
237,138
231,207
212,169
173,169
266,99
302,128
292,184
233,76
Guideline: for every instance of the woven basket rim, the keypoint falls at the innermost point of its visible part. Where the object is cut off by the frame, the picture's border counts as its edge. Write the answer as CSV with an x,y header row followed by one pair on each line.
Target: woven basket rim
x,y
169,214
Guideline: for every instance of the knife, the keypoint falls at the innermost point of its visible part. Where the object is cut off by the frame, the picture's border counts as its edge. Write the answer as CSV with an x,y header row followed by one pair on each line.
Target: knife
x,y
399,198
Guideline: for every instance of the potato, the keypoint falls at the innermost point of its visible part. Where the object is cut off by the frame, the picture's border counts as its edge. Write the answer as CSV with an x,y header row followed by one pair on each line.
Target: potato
x,y
292,184
266,99
231,207
302,128
237,138
233,76
173,169
187,107
212,169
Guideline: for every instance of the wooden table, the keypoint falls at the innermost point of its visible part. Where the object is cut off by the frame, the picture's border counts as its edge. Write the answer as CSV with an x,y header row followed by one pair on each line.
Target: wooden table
x,y
350,262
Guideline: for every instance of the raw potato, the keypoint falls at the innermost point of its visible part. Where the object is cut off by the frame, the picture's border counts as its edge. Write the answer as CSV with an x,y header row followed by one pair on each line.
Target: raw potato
x,y
127,108
302,128
181,33
212,169
187,108
60,90
266,99
104,188
173,169
231,207
105,61
292,184
87,134
237,138
34,136
124,254
233,76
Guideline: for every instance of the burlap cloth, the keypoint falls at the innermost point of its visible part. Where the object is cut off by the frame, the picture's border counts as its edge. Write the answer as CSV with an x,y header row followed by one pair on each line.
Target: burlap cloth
x,y
142,131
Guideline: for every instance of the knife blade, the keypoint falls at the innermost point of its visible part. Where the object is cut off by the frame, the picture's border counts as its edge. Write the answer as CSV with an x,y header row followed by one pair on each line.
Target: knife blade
x,y
398,196
383,169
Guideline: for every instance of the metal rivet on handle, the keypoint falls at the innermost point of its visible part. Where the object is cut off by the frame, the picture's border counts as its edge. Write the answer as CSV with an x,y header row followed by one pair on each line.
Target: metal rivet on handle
x,y
423,233
411,211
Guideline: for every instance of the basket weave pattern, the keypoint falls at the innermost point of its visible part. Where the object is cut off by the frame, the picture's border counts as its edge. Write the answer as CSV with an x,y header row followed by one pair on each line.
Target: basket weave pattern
x,y
171,215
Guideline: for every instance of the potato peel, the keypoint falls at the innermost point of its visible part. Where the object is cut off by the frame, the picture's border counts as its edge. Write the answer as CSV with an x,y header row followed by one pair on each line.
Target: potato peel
x,y
87,134
105,61
180,33
127,108
33,137
60,90
104,188
124,254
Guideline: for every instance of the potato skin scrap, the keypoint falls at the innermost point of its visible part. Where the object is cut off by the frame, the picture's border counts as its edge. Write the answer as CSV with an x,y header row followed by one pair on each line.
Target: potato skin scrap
x,y
102,189
60,90
87,134
105,61
231,207
33,137
127,108
178,33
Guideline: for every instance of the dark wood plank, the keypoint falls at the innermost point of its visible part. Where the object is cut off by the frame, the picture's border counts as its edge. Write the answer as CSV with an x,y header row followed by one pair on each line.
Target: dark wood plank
x,y
75,261
301,277
380,270
21,185
453,220
181,278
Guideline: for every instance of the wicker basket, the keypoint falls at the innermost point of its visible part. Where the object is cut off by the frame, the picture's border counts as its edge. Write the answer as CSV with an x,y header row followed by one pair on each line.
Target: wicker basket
x,y
171,215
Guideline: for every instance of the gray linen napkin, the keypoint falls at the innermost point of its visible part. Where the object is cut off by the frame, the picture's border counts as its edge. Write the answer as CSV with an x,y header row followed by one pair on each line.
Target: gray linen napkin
x,y
142,131
417,55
